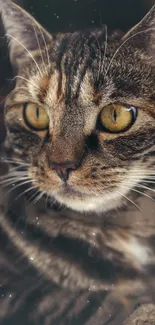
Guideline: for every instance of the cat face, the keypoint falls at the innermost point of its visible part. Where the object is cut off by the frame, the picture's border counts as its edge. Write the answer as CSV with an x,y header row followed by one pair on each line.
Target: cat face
x,y
80,120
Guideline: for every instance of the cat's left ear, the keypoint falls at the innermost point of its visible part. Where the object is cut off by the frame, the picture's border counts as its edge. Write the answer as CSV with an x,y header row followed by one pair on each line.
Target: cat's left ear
x,y
24,34
143,35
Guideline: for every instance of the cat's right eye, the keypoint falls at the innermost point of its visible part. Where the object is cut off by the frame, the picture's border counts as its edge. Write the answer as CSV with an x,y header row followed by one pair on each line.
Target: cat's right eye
x,y
35,117
116,118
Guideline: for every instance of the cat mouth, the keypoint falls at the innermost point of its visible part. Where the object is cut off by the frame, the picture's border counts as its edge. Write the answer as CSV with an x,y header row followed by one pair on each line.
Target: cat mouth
x,y
69,190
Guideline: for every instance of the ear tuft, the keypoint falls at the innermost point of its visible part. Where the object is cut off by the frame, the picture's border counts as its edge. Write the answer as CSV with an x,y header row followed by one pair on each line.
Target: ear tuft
x,y
24,34
143,34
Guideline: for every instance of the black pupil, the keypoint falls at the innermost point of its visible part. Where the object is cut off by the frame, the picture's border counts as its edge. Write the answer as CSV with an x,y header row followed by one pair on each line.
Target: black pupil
x,y
37,112
115,115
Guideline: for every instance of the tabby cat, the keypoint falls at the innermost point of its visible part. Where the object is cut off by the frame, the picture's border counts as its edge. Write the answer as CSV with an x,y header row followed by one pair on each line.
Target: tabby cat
x,y
80,140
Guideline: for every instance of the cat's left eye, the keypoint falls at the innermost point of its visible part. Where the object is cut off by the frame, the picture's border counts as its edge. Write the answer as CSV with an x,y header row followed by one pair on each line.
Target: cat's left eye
x,y
116,118
35,117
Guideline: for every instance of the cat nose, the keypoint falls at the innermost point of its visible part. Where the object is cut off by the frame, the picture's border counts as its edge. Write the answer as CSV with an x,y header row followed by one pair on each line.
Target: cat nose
x,y
63,169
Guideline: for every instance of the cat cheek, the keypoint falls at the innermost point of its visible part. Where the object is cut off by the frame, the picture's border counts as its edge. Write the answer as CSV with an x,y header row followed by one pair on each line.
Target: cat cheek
x,y
47,181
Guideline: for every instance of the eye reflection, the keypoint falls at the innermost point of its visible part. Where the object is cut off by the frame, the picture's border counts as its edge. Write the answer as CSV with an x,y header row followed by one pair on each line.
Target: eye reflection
x,y
117,118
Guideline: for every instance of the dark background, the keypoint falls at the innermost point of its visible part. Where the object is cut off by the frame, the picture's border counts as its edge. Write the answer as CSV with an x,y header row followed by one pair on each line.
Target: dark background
x,y
71,15
68,16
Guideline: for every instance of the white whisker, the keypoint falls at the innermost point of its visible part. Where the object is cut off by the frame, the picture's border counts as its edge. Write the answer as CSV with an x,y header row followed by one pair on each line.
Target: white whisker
x,y
137,191
18,185
140,175
35,193
38,197
34,196
100,55
130,201
47,53
15,161
26,191
14,172
105,50
11,182
28,81
124,42
41,54
13,179
13,169
143,187
15,39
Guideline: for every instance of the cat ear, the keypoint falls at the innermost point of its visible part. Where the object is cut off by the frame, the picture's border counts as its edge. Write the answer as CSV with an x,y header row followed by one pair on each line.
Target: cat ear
x,y
24,34
143,34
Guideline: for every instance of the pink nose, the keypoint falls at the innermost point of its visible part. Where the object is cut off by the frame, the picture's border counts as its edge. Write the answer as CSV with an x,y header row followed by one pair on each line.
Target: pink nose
x,y
63,169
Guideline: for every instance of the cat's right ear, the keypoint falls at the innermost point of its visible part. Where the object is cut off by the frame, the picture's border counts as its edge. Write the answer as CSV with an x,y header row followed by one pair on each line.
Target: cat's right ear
x,y
24,34
142,35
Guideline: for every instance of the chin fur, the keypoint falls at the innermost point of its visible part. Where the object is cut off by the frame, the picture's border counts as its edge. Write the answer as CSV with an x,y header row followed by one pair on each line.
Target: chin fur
x,y
97,204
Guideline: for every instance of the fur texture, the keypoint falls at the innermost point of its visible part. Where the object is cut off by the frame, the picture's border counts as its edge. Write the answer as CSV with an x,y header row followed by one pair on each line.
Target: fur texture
x,y
93,241
74,77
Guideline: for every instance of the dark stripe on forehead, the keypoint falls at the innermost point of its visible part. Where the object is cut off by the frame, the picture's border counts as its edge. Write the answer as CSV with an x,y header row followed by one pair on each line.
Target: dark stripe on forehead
x,y
59,91
77,52
62,50
93,52
43,88
71,61
81,52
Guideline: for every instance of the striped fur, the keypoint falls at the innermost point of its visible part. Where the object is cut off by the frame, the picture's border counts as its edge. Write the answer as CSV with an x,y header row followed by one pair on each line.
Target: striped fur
x,y
82,246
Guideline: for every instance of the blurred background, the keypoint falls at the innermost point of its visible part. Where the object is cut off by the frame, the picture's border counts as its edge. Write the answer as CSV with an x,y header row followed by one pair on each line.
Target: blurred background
x,y
68,16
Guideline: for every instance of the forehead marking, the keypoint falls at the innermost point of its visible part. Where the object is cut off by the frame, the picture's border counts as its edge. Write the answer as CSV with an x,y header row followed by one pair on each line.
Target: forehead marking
x,y
61,86
43,88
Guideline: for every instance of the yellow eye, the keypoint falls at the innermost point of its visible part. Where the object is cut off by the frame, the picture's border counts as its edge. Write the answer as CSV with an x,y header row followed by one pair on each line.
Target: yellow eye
x,y
117,118
36,117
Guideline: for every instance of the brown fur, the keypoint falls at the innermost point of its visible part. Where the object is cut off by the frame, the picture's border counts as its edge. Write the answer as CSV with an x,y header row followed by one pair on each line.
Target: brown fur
x,y
73,77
